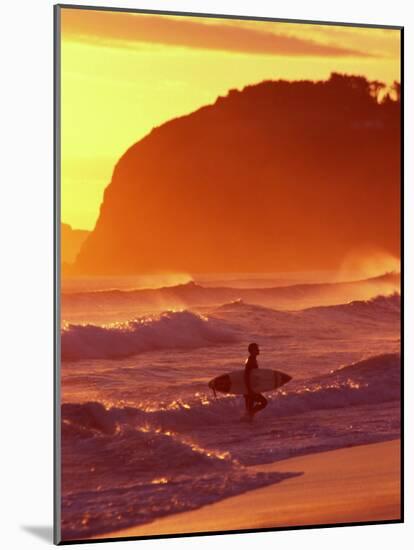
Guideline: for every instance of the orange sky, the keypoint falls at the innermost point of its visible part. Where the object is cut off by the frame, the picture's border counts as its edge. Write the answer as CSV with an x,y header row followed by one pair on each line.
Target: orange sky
x,y
124,73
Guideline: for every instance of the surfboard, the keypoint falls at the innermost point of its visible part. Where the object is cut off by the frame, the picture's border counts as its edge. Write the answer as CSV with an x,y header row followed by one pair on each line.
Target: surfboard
x,y
260,380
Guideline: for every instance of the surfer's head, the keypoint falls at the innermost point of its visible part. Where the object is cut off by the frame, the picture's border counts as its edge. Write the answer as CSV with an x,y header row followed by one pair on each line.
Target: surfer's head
x,y
253,349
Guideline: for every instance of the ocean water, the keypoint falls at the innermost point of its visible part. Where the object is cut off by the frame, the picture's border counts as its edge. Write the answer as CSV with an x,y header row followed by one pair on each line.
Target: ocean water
x,y
142,434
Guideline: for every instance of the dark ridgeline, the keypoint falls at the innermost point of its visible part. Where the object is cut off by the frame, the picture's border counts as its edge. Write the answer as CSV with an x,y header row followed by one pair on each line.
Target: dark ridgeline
x,y
279,176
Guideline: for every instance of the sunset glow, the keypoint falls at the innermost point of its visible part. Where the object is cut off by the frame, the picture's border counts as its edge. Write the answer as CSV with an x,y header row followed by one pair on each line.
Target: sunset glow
x,y
125,73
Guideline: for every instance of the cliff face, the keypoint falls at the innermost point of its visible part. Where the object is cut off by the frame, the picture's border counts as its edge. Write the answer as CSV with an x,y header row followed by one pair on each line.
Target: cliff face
x,y
279,176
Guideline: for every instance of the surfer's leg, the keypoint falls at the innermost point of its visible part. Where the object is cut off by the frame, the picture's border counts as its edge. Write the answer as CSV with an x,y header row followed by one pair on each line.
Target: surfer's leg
x,y
260,402
249,400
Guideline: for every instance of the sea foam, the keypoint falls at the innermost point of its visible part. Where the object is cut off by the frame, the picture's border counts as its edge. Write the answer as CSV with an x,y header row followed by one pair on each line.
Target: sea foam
x,y
171,329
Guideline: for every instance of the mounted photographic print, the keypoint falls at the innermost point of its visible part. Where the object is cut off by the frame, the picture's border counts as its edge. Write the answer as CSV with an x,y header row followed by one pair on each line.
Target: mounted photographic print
x,y
228,220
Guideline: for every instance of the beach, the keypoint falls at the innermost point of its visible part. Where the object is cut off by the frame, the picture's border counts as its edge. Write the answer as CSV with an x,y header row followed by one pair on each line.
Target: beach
x,y
354,484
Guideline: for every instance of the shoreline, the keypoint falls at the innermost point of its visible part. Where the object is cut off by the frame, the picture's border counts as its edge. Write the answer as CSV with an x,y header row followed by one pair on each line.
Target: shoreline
x,y
353,484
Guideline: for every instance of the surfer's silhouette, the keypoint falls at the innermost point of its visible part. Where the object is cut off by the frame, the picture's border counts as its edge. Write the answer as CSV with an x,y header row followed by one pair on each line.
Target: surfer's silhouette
x,y
255,402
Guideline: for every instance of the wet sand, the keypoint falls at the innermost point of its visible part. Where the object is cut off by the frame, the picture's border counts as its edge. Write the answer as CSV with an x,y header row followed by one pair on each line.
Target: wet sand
x,y
355,484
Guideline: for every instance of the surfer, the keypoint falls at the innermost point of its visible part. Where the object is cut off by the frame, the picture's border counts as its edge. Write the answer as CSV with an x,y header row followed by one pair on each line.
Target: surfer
x,y
255,402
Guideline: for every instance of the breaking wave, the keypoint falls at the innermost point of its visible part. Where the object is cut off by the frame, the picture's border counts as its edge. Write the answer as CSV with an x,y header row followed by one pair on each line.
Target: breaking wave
x,y
371,381
141,463
171,329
